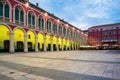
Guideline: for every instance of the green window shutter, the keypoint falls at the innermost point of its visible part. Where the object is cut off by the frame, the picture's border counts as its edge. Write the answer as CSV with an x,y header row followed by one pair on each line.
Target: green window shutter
x,y
39,22
33,20
49,25
55,28
29,18
6,11
21,16
64,31
16,14
1,9
42,23
61,30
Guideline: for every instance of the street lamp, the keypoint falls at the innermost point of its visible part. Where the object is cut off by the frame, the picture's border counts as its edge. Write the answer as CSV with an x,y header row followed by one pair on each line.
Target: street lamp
x,y
46,15
27,4
58,21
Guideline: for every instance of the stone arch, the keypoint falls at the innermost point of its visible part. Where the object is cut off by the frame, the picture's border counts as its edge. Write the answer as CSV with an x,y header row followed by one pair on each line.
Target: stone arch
x,y
20,28
2,23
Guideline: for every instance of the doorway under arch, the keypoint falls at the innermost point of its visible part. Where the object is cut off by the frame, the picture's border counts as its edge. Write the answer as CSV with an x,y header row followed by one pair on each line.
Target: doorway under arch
x,y
18,40
40,42
31,41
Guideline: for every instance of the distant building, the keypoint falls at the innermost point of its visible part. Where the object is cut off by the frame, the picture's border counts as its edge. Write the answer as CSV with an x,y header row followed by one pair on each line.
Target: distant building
x,y
104,36
85,31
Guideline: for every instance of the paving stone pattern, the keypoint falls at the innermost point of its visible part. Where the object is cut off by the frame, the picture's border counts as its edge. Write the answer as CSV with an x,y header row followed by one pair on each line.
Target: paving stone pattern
x,y
64,65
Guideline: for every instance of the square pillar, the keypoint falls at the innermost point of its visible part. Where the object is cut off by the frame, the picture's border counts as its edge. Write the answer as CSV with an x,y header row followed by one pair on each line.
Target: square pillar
x,y
11,42
36,44
44,42
62,44
66,44
25,44
57,42
51,43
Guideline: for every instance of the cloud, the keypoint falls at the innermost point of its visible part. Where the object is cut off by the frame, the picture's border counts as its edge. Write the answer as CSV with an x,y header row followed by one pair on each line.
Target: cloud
x,y
83,13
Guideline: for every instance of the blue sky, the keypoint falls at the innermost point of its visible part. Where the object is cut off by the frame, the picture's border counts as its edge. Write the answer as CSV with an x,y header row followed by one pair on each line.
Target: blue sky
x,y
83,13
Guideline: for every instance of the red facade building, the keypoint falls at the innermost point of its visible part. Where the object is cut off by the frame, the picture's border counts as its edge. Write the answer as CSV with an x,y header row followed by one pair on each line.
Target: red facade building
x,y
104,36
25,27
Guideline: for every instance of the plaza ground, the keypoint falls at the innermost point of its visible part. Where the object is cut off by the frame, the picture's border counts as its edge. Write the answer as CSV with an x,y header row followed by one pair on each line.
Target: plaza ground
x,y
64,65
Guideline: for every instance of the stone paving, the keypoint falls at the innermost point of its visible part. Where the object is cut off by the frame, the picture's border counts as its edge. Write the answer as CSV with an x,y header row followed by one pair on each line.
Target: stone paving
x,y
64,65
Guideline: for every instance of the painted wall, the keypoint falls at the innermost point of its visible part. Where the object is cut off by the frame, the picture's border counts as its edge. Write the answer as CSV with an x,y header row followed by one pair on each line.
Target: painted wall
x,y
18,36
40,40
31,39
4,35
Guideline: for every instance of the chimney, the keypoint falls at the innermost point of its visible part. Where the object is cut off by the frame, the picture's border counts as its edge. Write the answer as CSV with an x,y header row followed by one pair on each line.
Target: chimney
x,y
37,4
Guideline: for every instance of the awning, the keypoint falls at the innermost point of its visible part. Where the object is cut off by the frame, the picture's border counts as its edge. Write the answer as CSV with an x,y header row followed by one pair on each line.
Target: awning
x,y
105,44
115,45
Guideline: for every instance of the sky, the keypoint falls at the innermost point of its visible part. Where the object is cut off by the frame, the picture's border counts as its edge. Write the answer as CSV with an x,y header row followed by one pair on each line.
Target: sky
x,y
83,13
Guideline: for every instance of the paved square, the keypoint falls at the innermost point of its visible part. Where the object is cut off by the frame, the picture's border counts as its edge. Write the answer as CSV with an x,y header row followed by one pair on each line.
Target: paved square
x,y
65,65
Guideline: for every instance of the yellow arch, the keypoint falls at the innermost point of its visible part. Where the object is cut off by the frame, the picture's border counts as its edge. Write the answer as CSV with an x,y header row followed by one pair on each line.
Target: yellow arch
x,y
64,41
4,35
31,38
18,36
68,43
48,40
60,42
40,40
54,40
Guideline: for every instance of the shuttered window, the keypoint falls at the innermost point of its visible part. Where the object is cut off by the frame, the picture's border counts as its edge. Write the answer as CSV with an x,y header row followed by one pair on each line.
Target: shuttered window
x,y
16,14
21,16
6,11
1,9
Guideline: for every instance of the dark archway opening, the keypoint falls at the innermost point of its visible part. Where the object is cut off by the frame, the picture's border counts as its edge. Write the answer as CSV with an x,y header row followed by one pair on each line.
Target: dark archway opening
x,y
20,46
